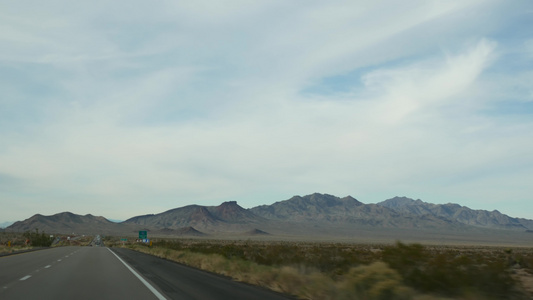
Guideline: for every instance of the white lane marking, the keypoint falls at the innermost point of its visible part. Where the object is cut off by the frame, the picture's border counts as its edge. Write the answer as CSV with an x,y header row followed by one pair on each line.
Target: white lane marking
x,y
149,286
59,260
46,267
25,277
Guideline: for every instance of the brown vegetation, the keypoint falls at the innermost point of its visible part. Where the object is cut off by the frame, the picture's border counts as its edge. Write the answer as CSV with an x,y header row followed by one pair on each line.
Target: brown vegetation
x,y
349,271
11,242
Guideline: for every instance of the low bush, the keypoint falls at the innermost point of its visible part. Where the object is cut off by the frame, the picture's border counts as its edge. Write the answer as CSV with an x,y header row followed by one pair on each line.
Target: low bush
x,y
37,239
374,281
450,273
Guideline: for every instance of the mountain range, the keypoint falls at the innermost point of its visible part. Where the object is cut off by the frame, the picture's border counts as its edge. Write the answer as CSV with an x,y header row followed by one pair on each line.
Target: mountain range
x,y
456,212
311,215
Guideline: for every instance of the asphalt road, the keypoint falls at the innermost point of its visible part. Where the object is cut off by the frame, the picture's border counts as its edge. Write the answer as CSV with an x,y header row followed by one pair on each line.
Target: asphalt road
x,y
181,282
105,273
69,273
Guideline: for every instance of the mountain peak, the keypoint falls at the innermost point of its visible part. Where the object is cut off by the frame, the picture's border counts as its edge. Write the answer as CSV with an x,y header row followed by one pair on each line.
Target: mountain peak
x,y
350,199
228,206
310,207
322,200
230,211
397,202
229,203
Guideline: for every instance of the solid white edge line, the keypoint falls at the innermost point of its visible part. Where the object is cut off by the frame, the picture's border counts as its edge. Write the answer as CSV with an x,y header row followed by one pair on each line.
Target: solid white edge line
x,y
149,286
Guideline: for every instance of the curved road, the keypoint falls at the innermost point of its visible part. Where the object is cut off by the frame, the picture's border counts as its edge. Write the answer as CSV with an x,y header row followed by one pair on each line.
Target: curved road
x,y
104,273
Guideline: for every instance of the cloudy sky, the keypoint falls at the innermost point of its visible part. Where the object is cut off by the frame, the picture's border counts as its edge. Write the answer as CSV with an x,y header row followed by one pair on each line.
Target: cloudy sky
x,y
122,108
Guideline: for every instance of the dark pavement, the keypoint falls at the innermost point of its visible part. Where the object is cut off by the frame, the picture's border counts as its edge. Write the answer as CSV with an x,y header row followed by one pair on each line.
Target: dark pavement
x,y
113,273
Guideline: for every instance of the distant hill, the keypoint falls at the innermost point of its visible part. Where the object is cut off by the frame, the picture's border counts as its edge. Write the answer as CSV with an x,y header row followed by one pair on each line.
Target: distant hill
x,y
256,231
65,222
185,231
228,216
455,212
193,215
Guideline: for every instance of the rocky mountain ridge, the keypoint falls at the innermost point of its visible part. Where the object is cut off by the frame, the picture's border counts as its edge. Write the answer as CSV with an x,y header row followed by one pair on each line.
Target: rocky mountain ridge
x,y
228,215
299,215
328,209
462,214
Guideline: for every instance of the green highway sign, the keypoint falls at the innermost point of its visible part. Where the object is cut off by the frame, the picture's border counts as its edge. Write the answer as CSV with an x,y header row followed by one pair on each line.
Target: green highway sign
x,y
143,235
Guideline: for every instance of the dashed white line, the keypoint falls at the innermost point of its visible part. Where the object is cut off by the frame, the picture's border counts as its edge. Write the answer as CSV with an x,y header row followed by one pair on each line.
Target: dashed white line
x,y
46,267
25,277
59,260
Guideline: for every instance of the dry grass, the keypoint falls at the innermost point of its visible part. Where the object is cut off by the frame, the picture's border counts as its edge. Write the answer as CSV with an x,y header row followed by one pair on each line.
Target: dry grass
x,y
17,241
5,249
302,282
348,271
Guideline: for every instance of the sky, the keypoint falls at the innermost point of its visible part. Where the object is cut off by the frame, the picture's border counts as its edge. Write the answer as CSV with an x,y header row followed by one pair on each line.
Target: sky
x,y
124,108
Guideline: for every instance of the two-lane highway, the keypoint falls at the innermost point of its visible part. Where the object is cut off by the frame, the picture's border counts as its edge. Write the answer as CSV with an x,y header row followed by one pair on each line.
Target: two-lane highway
x,y
111,273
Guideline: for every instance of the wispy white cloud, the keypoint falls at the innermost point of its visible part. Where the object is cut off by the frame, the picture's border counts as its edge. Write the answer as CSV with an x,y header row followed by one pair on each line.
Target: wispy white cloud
x,y
429,84
142,108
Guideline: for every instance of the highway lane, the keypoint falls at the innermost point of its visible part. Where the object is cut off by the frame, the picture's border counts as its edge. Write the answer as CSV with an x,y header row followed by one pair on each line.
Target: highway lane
x,y
69,273
178,281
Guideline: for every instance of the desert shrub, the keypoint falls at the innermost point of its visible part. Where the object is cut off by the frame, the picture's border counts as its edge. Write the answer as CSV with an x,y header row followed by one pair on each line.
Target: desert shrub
x,y
169,244
16,239
328,258
38,240
319,286
449,273
408,260
374,281
523,259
